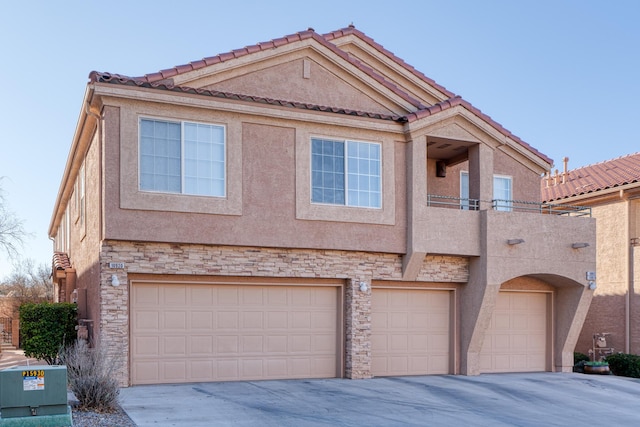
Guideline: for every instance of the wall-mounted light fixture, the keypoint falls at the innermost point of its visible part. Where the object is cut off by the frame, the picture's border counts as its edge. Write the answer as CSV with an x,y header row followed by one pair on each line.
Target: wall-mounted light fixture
x,y
114,280
364,286
580,245
515,241
592,285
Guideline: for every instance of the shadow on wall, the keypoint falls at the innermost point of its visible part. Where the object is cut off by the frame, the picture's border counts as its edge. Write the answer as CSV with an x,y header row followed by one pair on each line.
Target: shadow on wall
x,y
605,327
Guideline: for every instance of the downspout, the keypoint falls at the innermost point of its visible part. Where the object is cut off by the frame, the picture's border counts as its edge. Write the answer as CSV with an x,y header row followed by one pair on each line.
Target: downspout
x,y
627,300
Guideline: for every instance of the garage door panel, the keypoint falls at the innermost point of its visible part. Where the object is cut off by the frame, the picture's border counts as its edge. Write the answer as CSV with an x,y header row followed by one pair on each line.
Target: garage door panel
x,y
516,340
227,320
247,332
146,296
175,346
147,321
226,345
252,319
253,344
227,295
201,320
277,344
300,320
410,328
175,296
202,296
201,345
277,320
174,320
146,346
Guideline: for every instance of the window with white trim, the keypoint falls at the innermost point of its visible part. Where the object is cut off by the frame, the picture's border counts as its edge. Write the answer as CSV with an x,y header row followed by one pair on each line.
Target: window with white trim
x,y
502,192
182,157
346,173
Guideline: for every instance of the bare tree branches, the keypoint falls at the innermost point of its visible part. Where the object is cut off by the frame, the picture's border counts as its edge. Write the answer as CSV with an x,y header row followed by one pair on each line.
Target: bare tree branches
x,y
12,232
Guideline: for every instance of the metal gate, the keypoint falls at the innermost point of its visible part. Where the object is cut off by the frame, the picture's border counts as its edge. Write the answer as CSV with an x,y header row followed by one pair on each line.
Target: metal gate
x,y
5,330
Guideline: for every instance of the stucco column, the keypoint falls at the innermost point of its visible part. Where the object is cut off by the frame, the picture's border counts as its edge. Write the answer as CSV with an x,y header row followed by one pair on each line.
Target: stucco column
x,y
416,205
357,330
481,175
573,304
477,301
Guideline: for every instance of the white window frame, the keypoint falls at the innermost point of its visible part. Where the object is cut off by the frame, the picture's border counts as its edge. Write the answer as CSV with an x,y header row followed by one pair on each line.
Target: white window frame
x,y
506,205
182,156
346,173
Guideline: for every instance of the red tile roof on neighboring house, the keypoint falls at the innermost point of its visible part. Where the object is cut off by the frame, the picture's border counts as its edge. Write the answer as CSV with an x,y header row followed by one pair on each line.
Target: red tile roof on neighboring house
x,y
61,261
593,178
163,80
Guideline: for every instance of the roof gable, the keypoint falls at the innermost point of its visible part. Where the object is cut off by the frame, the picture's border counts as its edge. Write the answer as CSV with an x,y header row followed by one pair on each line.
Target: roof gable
x,y
364,80
374,55
303,67
592,179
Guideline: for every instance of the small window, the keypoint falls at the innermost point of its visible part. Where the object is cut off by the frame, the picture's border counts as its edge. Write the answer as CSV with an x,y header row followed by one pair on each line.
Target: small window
x,y
182,157
346,173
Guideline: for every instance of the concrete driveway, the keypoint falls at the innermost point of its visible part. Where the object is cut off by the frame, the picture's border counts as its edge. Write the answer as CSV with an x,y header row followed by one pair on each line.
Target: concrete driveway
x,y
549,399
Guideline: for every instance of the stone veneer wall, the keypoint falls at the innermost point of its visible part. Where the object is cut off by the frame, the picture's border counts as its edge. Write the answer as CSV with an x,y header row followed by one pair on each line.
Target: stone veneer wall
x,y
203,260
357,324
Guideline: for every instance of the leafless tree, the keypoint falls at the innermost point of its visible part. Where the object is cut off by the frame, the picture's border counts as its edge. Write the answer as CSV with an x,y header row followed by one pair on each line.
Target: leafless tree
x,y
12,232
27,283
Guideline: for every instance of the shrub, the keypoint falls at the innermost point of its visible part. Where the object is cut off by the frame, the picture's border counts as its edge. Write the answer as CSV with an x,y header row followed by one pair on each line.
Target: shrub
x,y
580,357
91,376
625,365
46,327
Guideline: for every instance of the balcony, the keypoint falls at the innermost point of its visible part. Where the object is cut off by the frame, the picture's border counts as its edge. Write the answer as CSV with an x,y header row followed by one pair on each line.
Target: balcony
x,y
468,227
507,206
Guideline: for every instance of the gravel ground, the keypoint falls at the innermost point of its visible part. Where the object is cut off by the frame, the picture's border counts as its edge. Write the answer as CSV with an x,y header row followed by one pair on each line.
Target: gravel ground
x,y
94,419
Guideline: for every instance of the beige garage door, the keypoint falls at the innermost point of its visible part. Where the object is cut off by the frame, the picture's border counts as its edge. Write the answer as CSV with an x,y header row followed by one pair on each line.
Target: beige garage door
x,y
201,332
516,340
410,332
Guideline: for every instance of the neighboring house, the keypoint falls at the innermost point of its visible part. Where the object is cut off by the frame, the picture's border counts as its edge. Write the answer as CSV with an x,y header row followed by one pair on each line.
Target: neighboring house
x,y
312,207
612,190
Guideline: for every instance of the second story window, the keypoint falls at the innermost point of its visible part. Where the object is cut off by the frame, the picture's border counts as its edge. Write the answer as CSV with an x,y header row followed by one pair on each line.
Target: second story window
x,y
182,157
502,192
346,173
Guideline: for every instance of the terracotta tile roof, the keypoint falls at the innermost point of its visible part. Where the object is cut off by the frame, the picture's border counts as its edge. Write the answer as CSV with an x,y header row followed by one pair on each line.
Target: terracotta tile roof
x,y
129,81
61,261
302,35
593,178
162,80
351,29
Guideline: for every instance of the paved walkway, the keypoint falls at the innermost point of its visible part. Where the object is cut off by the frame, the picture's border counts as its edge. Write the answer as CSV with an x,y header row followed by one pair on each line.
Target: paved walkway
x,y
11,358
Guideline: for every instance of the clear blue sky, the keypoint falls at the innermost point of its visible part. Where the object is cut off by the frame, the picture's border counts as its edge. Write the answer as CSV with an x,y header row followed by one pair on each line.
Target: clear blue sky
x,y
562,75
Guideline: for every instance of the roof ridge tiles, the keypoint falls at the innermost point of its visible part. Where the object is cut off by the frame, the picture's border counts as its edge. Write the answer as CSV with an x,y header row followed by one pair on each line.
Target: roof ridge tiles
x,y
351,29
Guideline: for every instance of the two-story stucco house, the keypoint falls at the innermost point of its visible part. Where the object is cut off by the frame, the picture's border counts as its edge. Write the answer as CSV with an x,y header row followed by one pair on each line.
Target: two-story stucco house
x,y
312,207
612,190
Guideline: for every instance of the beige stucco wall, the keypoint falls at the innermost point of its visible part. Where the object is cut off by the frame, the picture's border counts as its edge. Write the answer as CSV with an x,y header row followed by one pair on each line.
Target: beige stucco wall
x,y
616,305
301,80
258,193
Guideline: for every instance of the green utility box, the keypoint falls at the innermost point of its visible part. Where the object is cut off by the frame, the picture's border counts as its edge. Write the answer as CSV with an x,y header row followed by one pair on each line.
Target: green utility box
x,y
34,393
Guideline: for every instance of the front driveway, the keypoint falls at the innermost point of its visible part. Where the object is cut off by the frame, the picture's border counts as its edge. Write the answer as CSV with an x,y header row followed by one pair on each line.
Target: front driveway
x,y
540,399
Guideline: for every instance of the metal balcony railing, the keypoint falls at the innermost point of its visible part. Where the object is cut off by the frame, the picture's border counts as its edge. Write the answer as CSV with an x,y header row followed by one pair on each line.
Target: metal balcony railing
x,y
508,206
